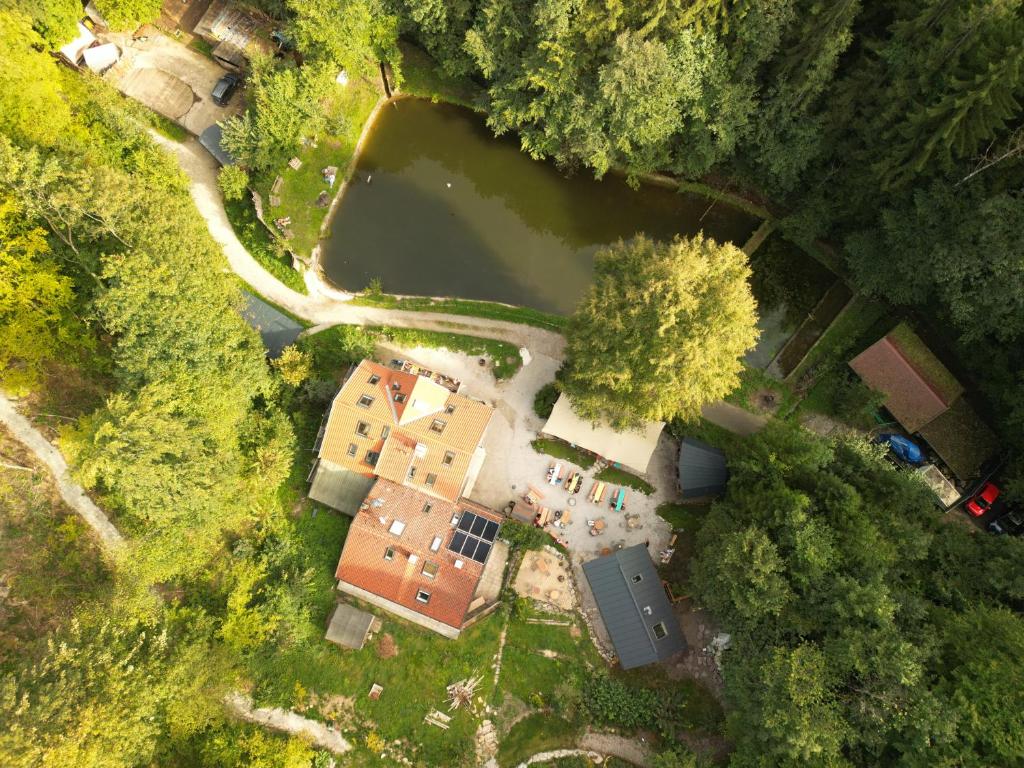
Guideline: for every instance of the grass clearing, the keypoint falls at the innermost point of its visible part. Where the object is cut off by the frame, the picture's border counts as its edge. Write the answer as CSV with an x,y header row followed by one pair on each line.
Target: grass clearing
x,y
753,384
540,732
561,450
423,77
262,244
489,309
300,189
618,476
504,356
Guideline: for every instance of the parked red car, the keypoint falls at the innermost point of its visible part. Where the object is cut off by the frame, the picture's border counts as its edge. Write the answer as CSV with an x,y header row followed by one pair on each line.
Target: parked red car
x,y
981,502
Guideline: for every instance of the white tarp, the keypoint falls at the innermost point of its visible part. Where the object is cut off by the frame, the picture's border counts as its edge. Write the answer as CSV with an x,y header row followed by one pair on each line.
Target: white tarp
x,y
101,57
73,50
632,449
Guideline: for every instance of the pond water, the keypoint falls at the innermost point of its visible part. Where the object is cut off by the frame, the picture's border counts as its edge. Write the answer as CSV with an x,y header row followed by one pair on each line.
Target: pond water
x,y
440,207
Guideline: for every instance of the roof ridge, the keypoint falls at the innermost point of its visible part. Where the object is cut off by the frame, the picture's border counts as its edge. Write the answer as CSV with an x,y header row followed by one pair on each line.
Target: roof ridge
x,y
917,372
632,598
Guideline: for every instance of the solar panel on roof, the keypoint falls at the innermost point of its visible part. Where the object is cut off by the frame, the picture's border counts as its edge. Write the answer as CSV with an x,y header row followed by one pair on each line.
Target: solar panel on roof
x,y
491,531
474,536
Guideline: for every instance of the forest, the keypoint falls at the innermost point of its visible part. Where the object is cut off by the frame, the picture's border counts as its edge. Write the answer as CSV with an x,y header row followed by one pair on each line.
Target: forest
x,y
888,135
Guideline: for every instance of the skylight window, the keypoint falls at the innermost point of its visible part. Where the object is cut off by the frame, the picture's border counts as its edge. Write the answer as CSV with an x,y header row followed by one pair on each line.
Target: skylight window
x,y
430,569
397,527
423,596
374,378
660,631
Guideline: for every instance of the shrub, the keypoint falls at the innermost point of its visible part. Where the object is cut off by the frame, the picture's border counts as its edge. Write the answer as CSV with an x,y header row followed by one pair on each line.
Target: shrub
x,y
522,536
233,182
544,400
613,703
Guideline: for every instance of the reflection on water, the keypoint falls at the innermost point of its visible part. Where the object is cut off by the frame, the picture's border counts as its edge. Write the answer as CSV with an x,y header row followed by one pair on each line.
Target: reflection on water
x,y
439,207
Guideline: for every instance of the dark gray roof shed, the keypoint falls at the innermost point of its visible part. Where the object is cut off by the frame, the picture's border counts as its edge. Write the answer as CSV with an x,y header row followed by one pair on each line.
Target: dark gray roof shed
x,y
349,626
634,607
275,328
702,469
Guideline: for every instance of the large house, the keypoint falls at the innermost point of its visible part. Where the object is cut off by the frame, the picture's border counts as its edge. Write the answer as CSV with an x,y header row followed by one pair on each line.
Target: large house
x,y
400,451
414,430
431,561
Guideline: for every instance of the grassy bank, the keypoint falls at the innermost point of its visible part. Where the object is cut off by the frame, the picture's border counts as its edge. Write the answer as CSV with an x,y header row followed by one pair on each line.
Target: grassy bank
x,y
617,476
300,189
423,77
504,356
561,450
261,244
489,309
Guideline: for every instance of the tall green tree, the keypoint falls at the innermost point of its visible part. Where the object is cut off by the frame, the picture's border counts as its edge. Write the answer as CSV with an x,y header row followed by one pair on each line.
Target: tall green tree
x,y
661,330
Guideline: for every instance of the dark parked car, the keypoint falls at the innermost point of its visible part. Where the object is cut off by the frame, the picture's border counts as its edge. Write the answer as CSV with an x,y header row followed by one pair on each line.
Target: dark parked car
x,y
1011,523
981,502
225,89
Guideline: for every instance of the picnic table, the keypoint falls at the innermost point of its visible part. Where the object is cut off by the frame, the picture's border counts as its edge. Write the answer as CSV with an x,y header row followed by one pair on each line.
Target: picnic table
x,y
618,499
597,492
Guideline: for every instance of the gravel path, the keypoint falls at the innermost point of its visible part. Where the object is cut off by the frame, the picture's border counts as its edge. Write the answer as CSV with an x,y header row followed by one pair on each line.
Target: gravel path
x,y
72,493
283,720
733,418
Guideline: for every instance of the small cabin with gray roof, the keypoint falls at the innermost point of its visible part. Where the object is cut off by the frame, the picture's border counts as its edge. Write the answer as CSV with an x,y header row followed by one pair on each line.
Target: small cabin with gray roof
x,y
634,608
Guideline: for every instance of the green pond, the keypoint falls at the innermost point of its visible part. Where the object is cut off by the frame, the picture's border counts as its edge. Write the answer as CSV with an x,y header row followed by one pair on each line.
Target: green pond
x,y
440,207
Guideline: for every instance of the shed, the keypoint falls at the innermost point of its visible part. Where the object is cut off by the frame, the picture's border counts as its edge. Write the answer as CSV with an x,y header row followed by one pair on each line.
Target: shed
x,y
634,608
631,449
339,488
961,439
349,626
211,138
916,385
276,329
702,469
101,57
231,23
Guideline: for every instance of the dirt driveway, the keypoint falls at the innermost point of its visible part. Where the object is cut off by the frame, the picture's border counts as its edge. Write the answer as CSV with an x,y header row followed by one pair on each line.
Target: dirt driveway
x,y
170,79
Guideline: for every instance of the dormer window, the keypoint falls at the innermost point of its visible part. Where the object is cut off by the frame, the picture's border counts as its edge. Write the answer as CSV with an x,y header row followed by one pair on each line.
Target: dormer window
x,y
374,378
365,401
437,426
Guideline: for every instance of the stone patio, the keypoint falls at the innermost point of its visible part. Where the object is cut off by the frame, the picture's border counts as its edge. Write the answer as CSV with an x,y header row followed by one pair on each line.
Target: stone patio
x,y
544,575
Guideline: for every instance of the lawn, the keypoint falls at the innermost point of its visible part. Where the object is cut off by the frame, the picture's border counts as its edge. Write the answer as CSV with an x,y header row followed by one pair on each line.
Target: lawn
x,y
262,244
617,476
531,676
488,309
540,732
561,450
423,77
301,188
686,521
753,384
414,683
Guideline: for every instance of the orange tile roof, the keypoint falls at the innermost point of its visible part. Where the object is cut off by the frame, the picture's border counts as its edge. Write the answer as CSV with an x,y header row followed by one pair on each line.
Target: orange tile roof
x,y
410,423
400,578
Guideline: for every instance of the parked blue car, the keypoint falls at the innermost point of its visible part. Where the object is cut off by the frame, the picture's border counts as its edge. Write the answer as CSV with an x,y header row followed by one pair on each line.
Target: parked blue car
x,y
904,448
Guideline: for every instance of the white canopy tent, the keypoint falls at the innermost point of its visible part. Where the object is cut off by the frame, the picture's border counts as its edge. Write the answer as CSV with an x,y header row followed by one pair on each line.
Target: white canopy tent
x,y
631,449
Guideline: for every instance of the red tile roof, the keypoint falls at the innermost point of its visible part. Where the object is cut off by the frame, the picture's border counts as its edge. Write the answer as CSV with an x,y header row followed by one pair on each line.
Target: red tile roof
x,y
391,417
908,395
363,562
